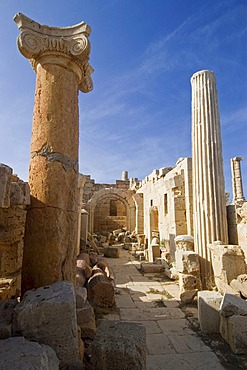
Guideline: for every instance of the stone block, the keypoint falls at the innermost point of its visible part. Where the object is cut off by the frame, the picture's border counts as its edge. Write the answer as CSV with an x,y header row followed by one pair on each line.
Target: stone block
x,y
189,282
6,317
86,321
5,184
233,305
80,296
189,286
233,330
19,193
208,311
12,224
19,353
48,315
119,345
11,258
187,262
227,261
184,242
10,287
240,285
151,268
111,252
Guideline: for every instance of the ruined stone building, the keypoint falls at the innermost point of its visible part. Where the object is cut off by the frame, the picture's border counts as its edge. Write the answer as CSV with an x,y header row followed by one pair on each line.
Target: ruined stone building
x,y
158,206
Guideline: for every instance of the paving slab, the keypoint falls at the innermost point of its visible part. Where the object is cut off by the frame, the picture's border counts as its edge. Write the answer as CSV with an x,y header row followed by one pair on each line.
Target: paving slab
x,y
144,305
139,297
137,277
159,344
175,326
173,290
124,300
187,343
150,326
123,285
138,288
186,361
154,297
159,313
171,303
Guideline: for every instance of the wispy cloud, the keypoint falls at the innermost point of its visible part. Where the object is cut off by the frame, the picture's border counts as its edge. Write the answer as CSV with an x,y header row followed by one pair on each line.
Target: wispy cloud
x,y
125,133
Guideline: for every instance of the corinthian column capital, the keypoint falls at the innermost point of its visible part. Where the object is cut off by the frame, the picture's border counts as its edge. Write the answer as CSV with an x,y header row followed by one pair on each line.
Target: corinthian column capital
x,y
65,46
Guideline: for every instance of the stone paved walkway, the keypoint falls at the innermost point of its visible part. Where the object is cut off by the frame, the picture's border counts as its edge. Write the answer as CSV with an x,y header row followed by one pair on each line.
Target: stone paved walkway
x,y
171,343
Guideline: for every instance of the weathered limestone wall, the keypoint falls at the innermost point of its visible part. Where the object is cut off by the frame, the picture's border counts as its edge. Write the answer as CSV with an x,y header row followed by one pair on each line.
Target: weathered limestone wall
x,y
110,214
14,197
167,203
59,57
110,206
237,225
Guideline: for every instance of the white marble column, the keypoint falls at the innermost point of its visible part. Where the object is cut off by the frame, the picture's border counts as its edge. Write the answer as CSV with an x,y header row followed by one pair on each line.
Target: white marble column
x,y
237,185
210,223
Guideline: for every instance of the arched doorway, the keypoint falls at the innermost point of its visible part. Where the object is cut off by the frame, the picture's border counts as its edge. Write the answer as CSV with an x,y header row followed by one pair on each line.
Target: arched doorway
x,y
110,209
110,214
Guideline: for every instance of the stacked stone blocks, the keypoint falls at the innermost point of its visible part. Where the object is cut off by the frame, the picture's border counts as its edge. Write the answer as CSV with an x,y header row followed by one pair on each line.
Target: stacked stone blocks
x,y
14,197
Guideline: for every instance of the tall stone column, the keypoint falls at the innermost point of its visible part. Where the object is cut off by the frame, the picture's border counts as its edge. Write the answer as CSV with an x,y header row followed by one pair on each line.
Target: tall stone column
x,y
59,57
237,185
138,199
210,223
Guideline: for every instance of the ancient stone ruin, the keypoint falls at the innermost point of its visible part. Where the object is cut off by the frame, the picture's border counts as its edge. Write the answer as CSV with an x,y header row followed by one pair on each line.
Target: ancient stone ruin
x,y
81,262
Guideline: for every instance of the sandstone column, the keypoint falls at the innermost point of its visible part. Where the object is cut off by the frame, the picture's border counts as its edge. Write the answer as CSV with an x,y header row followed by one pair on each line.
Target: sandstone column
x,y
237,186
208,180
59,57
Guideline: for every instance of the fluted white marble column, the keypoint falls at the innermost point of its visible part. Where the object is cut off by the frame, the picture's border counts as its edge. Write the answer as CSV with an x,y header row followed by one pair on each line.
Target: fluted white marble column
x,y
237,185
210,223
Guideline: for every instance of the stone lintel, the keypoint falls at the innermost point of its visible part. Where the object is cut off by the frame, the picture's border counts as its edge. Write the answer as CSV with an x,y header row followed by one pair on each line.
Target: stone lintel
x,y
68,47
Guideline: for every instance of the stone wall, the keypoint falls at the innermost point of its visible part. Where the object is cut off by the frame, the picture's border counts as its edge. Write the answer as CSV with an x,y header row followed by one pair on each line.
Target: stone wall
x,y
237,225
167,203
110,206
14,197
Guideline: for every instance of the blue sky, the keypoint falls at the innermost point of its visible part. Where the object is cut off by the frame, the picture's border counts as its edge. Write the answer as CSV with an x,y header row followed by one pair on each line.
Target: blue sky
x,y
144,52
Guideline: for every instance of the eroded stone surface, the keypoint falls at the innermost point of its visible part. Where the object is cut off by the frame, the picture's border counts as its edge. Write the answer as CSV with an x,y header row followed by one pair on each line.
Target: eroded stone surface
x,y
48,315
234,330
5,184
233,305
19,353
119,345
86,321
208,311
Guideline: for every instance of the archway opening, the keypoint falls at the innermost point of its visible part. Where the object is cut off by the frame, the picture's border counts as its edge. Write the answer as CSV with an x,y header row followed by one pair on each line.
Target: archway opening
x,y
110,214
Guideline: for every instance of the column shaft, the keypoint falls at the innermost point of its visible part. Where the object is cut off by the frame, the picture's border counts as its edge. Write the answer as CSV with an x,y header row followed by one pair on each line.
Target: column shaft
x,y
208,180
51,229
237,185
60,59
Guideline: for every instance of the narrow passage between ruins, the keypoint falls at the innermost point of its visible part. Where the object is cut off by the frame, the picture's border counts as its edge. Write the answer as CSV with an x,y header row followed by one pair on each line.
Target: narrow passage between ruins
x,y
173,340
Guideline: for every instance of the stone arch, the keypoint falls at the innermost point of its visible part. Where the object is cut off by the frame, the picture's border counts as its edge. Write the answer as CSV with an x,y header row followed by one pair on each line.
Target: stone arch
x,y
99,206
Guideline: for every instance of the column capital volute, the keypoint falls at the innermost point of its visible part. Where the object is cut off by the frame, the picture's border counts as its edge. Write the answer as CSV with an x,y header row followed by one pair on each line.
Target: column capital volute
x,y
65,46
